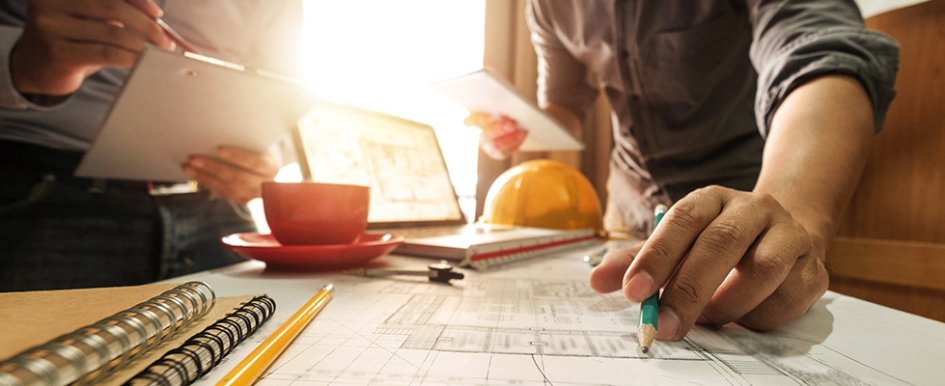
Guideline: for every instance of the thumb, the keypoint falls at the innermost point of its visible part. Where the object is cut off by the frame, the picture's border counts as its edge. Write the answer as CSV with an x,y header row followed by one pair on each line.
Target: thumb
x,y
608,276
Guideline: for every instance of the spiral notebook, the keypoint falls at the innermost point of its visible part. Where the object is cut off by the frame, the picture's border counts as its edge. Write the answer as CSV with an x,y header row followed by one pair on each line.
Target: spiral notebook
x,y
178,334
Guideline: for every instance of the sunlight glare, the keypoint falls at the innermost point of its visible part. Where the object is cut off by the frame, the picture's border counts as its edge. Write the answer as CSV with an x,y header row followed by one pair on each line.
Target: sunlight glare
x,y
383,55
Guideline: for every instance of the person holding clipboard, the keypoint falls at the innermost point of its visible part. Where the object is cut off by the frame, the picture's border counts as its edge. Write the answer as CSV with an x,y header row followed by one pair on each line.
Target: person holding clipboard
x,y
63,62
753,118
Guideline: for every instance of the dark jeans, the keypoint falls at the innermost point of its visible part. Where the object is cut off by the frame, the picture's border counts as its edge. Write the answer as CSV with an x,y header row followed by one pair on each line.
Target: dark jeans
x,y
58,231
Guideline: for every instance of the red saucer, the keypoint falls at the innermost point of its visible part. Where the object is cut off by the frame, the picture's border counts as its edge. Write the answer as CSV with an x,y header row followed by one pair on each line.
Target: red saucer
x,y
265,247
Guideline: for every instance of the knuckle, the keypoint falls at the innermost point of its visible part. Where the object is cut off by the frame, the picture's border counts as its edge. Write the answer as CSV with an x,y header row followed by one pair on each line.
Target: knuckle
x,y
793,241
768,266
714,190
684,215
766,200
226,174
722,237
108,53
113,33
801,238
801,246
817,281
786,248
659,251
764,204
152,29
686,290
43,21
786,305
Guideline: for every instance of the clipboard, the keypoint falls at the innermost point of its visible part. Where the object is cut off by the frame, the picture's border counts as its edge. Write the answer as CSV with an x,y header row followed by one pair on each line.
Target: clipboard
x,y
487,91
175,105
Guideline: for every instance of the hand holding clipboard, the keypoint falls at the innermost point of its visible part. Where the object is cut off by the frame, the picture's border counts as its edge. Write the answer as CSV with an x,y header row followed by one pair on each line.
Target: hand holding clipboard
x,y
174,106
495,103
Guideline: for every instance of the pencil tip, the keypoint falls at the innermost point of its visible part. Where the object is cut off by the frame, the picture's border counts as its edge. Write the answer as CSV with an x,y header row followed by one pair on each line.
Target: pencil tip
x,y
646,350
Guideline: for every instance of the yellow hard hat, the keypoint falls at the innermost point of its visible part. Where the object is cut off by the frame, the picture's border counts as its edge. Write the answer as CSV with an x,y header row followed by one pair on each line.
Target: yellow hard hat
x,y
543,194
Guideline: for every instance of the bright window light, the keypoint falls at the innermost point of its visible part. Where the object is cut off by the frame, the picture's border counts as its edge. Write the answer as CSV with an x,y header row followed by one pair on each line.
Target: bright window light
x,y
383,55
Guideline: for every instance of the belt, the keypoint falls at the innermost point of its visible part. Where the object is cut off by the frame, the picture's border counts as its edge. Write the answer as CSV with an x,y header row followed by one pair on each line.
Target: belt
x,y
60,165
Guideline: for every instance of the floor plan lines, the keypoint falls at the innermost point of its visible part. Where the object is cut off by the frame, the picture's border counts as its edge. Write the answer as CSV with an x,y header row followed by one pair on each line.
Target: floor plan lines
x,y
521,328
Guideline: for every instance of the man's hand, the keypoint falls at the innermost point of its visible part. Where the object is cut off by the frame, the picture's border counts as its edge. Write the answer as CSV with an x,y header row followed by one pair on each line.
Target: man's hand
x,y
501,136
721,255
235,174
65,41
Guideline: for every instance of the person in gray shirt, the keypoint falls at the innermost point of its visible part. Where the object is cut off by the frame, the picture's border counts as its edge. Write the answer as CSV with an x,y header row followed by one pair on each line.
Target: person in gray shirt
x,y
753,118
62,63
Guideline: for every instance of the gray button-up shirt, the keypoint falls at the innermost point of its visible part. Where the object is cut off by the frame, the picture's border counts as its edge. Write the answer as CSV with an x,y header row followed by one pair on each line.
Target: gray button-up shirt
x,y
694,84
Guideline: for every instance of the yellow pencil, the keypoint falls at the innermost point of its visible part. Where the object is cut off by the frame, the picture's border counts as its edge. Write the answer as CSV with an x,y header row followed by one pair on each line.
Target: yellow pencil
x,y
251,368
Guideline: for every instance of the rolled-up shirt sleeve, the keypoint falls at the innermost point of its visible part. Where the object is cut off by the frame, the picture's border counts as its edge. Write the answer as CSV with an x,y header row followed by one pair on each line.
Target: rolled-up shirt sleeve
x,y
10,97
562,79
796,41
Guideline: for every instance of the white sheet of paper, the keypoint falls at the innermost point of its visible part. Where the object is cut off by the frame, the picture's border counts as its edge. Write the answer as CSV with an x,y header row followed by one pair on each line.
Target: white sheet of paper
x,y
537,322
486,91
173,106
871,8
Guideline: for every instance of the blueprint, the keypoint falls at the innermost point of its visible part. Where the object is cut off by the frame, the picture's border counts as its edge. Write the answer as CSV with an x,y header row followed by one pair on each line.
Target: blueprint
x,y
533,323
400,160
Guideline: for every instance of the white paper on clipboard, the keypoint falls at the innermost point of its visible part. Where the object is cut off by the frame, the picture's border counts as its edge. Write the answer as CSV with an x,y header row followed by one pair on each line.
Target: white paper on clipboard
x,y
173,106
487,91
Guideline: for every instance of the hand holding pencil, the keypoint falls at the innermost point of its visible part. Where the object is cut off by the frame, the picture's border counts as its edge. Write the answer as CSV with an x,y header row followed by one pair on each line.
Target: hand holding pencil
x,y
64,41
722,255
649,309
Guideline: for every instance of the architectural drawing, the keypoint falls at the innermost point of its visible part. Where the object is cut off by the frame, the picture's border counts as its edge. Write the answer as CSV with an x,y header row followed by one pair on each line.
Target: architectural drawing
x,y
533,325
399,160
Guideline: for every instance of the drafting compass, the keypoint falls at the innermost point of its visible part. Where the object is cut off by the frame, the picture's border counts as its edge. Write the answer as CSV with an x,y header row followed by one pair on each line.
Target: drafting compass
x,y
441,272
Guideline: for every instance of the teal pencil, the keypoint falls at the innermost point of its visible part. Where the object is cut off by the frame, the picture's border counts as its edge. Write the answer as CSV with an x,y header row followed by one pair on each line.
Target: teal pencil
x,y
649,309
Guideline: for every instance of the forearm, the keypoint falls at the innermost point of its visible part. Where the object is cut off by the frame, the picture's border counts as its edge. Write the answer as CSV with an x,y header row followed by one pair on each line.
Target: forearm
x,y
564,116
816,148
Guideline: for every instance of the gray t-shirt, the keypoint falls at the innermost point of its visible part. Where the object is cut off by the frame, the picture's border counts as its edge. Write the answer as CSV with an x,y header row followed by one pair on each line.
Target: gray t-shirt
x,y
694,84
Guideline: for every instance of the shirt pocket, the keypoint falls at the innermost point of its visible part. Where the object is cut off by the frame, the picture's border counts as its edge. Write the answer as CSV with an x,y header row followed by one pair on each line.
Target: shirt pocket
x,y
683,69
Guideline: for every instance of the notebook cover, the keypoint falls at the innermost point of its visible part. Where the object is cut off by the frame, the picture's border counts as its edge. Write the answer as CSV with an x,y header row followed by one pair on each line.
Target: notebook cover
x,y
35,317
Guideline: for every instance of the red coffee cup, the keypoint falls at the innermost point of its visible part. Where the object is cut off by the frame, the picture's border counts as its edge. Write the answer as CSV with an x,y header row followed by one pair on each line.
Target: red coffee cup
x,y
309,213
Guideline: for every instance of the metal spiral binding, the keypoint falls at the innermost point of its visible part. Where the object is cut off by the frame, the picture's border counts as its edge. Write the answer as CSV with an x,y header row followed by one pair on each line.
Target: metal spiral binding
x,y
205,350
93,352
